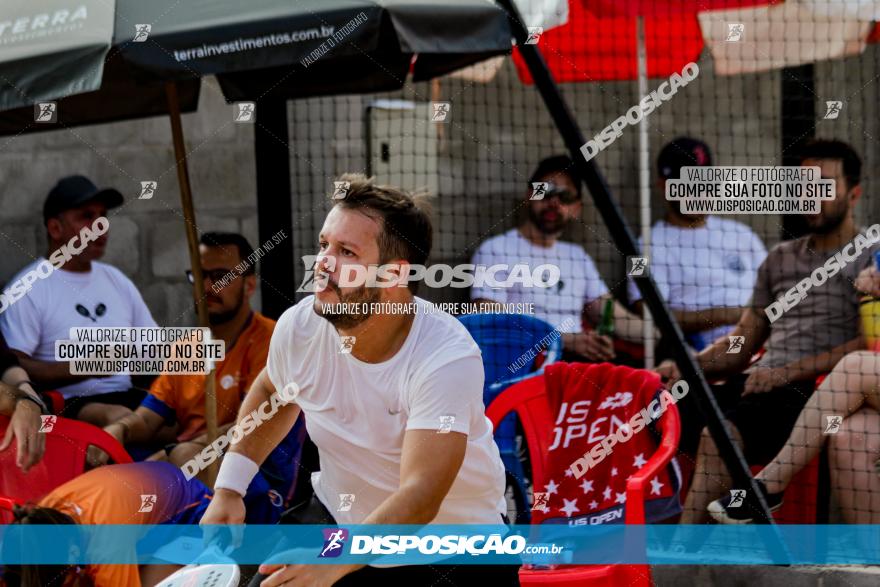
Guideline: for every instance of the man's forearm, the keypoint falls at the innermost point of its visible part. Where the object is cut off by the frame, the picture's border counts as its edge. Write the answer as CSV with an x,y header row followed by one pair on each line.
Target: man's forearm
x,y
699,320
812,367
405,506
49,373
715,361
135,429
10,396
629,326
272,431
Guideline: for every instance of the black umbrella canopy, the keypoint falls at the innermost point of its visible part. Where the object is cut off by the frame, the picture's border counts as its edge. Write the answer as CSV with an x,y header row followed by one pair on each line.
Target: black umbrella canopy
x,y
307,48
57,58
63,52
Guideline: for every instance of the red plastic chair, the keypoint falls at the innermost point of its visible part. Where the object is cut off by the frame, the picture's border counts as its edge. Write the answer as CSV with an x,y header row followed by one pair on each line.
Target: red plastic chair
x,y
528,400
801,505
6,506
64,459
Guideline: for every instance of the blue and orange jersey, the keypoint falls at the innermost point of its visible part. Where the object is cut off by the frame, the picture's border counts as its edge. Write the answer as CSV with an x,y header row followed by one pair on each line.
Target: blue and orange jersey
x,y
133,493
181,398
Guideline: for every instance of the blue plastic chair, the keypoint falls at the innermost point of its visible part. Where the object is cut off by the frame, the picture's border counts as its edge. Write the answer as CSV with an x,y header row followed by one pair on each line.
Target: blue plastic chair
x,y
510,343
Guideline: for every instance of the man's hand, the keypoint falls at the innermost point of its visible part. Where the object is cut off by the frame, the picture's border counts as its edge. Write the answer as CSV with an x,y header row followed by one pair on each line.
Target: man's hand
x,y
868,281
589,344
96,457
303,575
763,379
25,427
226,508
668,371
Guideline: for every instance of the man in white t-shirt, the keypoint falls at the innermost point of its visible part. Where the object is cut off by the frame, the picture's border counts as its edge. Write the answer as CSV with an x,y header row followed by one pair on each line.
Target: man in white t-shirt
x,y
392,396
553,201
705,267
82,293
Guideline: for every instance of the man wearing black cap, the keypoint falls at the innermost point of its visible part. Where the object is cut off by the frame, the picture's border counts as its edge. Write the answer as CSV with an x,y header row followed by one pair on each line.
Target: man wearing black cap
x,y
704,266
69,288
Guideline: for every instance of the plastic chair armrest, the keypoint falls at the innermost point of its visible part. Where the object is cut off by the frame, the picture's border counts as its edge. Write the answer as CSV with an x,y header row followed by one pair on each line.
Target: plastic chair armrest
x,y
635,485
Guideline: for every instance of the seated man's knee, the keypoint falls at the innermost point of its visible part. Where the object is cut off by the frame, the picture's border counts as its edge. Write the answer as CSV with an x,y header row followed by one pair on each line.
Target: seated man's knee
x,y
184,452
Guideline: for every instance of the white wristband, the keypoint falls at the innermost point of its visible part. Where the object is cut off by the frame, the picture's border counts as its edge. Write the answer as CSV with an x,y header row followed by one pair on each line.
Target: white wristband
x,y
236,473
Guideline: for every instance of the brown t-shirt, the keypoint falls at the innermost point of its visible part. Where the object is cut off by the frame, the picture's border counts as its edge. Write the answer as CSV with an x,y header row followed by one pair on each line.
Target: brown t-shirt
x,y
826,318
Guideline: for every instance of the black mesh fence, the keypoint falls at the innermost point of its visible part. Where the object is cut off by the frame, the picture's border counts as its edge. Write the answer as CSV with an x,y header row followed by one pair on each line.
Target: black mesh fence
x,y
483,145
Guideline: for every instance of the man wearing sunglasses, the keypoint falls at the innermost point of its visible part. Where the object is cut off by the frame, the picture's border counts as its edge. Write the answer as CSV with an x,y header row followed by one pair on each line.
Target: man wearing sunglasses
x,y
178,401
553,201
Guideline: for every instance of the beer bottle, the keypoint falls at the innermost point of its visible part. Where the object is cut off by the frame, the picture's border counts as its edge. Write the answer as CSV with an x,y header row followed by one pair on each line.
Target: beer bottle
x,y
606,324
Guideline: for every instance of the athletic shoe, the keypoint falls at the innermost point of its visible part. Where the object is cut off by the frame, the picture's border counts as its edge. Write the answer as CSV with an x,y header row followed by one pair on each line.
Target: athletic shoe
x,y
741,506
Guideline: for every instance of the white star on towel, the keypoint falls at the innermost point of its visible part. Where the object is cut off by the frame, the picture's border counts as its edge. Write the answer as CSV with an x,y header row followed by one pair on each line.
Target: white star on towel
x,y
593,505
614,471
607,493
656,486
551,487
568,473
587,486
639,461
621,498
570,507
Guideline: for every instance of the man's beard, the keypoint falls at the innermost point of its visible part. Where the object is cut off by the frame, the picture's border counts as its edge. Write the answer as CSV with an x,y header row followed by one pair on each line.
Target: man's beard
x,y
545,225
831,222
219,318
361,300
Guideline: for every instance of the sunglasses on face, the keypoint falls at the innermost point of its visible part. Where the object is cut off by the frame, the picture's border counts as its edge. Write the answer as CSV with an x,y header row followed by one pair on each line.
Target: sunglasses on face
x,y
565,196
214,275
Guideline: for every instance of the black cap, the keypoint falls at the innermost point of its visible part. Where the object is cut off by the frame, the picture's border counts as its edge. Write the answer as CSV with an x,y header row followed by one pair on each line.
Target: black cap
x,y
74,191
682,152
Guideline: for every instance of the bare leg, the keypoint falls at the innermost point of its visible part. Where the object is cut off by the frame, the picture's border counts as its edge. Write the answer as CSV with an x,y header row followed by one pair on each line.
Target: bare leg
x,y
101,415
710,478
852,454
853,382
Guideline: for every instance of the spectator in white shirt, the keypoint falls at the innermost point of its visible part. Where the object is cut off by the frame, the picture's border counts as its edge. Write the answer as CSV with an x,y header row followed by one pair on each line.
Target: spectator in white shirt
x,y
579,295
705,267
82,293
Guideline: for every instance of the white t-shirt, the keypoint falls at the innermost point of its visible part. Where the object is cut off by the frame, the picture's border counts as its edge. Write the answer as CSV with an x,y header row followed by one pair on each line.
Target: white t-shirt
x,y
357,413
562,304
103,296
714,265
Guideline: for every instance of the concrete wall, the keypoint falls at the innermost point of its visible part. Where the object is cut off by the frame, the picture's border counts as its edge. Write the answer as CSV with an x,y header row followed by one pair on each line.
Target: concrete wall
x,y
498,133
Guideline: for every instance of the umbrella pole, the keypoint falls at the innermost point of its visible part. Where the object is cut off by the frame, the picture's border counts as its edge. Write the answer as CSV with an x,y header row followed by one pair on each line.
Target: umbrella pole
x,y
619,230
192,239
645,184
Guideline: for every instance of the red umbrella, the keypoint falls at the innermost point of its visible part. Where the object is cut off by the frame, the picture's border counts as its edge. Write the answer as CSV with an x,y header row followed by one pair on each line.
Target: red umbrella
x,y
599,43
